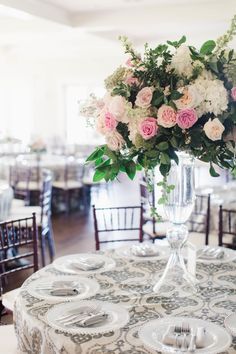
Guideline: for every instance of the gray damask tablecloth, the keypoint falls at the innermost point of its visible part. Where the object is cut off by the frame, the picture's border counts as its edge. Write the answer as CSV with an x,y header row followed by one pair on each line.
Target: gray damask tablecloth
x,y
130,285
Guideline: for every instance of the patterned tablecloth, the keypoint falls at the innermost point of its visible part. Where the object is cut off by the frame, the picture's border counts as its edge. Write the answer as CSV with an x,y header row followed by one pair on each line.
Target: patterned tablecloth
x,y
129,284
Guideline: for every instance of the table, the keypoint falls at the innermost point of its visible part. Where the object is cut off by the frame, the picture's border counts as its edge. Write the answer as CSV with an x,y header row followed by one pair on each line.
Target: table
x,y
6,196
218,300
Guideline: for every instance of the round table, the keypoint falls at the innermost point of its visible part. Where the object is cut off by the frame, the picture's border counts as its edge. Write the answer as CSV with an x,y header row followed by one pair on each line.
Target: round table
x,y
128,284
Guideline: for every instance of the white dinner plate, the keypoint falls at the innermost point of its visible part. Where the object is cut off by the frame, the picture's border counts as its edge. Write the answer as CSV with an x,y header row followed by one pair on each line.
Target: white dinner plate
x,y
229,256
218,339
118,316
158,252
41,287
230,323
66,264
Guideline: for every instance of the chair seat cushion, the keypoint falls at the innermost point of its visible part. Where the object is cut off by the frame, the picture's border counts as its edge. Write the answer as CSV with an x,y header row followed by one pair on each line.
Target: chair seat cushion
x,y
8,299
8,340
67,185
32,186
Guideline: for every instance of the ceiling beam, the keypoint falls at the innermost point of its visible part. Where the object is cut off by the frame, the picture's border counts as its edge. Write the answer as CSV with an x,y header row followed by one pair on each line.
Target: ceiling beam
x,y
40,9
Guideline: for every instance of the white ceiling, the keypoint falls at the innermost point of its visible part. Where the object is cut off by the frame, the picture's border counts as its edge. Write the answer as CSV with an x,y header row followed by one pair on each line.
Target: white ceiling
x,y
96,24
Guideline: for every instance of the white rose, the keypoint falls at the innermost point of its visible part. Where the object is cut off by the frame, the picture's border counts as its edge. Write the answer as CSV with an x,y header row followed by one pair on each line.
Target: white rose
x,y
182,62
116,106
115,141
214,129
191,97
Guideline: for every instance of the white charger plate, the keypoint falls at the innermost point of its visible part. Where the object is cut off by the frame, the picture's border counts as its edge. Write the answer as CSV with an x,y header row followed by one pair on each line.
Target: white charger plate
x,y
65,263
117,318
152,332
230,323
126,251
229,256
86,287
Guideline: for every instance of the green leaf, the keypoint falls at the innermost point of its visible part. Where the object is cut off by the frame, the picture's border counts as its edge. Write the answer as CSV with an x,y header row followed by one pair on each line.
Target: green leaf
x,y
213,66
98,175
164,169
174,142
175,95
207,47
99,152
182,40
130,169
163,146
164,158
103,163
157,98
213,172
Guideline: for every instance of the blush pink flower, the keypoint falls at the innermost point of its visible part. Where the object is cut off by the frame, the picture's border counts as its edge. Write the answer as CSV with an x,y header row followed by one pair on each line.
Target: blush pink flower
x,y
129,63
233,93
115,141
148,128
110,122
166,116
186,118
130,80
116,106
144,97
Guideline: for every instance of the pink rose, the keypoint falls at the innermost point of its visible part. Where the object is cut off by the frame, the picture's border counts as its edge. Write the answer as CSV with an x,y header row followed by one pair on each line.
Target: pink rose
x,y
148,128
116,107
144,97
233,93
166,116
186,118
110,122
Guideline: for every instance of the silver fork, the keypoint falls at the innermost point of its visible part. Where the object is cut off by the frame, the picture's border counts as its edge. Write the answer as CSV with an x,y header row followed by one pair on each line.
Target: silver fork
x,y
83,311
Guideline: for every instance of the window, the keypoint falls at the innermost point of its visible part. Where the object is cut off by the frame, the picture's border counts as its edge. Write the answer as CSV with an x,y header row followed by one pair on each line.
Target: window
x,y
78,130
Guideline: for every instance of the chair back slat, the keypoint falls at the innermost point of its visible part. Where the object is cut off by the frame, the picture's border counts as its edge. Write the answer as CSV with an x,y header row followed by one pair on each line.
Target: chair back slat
x,y
18,246
227,227
116,219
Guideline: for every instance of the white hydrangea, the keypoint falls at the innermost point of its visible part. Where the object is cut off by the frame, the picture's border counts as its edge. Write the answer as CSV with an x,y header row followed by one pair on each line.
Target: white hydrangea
x,y
207,95
182,62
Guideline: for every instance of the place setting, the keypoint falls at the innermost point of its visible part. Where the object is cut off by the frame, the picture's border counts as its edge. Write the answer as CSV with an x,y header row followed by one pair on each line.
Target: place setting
x,y
184,335
87,317
215,254
61,287
84,263
144,251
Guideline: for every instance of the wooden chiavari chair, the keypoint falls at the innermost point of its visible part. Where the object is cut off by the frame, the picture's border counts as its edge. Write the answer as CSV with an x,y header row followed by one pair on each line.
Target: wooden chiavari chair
x,y
227,227
18,252
116,220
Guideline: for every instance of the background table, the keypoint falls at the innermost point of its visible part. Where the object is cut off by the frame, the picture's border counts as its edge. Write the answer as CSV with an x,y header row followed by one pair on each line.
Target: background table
x,y
128,284
6,196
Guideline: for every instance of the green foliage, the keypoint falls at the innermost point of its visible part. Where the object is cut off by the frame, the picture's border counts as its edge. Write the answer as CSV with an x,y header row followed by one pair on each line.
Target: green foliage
x,y
208,47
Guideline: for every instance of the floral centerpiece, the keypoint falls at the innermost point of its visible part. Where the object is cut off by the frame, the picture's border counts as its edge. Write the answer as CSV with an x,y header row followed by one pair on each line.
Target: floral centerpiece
x,y
172,98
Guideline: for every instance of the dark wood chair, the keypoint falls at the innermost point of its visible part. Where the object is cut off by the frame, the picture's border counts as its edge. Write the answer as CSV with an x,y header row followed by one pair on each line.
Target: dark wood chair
x,y
115,221
18,251
227,227
199,221
43,217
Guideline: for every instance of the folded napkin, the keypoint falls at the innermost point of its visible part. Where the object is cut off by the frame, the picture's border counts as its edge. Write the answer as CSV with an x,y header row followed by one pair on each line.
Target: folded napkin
x,y
144,250
88,264
64,292
169,337
209,253
91,319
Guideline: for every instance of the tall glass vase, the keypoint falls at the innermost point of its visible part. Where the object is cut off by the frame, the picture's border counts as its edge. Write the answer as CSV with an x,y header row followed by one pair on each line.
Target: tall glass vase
x,y
178,209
